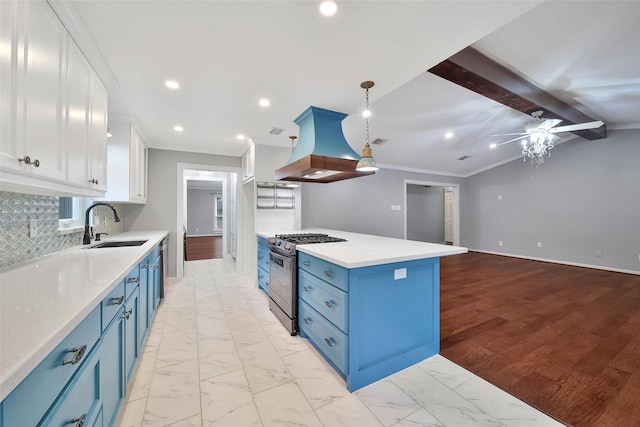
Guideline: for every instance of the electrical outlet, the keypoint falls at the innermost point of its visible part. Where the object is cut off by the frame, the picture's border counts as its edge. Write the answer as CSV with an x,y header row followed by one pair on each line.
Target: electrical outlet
x,y
499,242
395,207
499,196
539,244
598,252
33,228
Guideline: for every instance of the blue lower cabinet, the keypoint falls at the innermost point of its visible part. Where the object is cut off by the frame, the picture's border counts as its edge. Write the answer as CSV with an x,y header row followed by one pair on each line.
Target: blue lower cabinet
x,y
370,322
83,380
143,314
131,340
113,383
81,402
28,403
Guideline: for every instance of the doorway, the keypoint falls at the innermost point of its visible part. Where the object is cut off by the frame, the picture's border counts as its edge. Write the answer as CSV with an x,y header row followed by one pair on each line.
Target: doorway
x,y
205,219
432,212
227,176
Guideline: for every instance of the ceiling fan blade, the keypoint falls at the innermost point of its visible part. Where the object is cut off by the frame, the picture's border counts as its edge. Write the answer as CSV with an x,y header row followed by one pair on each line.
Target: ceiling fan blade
x,y
514,139
549,123
579,126
507,134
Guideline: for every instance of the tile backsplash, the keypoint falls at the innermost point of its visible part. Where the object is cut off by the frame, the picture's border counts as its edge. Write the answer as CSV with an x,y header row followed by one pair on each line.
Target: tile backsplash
x,y
17,209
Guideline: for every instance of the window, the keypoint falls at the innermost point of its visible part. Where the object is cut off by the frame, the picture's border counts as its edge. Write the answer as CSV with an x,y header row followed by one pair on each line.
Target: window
x,y
71,213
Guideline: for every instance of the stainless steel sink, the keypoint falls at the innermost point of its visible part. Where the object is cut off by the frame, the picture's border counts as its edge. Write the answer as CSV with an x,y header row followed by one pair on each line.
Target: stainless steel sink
x,y
118,244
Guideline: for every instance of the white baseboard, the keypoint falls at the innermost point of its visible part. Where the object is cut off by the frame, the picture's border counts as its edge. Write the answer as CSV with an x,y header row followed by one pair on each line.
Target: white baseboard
x,y
555,261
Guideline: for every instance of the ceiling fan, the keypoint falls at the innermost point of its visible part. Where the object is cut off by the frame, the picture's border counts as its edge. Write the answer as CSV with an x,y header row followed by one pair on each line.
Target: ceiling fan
x,y
539,135
541,126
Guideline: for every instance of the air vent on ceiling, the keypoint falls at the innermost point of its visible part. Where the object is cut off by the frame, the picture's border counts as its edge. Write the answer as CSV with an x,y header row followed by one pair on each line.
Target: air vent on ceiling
x,y
379,141
465,157
276,131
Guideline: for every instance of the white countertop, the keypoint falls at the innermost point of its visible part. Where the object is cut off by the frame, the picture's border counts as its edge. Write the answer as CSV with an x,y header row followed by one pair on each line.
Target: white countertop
x,y
364,250
42,301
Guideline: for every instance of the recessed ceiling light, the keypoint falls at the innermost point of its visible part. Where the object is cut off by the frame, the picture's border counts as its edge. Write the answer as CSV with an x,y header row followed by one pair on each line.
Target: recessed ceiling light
x,y
328,8
171,84
178,128
494,145
448,135
240,137
264,102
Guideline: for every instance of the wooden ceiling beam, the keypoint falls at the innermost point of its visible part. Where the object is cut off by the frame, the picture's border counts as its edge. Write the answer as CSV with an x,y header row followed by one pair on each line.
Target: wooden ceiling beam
x,y
474,71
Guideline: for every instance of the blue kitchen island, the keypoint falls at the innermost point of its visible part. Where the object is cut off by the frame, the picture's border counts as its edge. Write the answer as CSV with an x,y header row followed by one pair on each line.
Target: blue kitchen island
x,y
370,305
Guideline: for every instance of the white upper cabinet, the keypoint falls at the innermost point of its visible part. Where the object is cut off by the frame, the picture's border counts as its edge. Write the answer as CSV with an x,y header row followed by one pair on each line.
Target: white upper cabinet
x,y
249,163
127,160
47,106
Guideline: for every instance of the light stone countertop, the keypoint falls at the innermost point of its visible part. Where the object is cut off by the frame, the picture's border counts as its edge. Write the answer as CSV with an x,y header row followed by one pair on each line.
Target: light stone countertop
x,y
42,301
364,250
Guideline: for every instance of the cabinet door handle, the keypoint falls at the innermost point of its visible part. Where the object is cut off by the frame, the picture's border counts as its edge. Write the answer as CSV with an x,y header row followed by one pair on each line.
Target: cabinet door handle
x,y
330,342
306,263
144,266
27,161
117,301
328,273
78,352
133,280
93,181
307,288
330,304
307,321
80,420
127,314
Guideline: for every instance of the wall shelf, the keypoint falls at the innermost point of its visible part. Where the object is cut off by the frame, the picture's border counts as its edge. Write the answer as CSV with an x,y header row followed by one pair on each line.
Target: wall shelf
x,y
273,195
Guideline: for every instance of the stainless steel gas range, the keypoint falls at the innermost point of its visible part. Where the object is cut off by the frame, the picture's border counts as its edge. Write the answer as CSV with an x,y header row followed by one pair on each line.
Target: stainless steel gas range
x,y
283,274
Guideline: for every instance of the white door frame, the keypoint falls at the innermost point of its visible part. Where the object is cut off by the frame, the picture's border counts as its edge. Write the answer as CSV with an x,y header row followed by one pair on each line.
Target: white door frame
x,y
181,205
456,204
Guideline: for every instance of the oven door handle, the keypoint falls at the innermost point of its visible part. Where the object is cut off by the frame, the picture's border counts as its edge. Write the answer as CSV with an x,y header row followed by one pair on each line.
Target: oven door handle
x,y
278,259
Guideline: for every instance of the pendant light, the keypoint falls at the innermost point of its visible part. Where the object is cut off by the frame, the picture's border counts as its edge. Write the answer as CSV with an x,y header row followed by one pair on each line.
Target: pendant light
x,y
367,163
292,184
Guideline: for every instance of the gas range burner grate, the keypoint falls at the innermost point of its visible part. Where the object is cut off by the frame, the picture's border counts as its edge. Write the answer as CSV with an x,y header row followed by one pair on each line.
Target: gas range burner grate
x,y
307,238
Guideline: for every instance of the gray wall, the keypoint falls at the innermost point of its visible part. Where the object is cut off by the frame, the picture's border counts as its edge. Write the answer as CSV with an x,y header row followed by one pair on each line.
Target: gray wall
x,y
160,211
425,213
585,198
362,205
199,212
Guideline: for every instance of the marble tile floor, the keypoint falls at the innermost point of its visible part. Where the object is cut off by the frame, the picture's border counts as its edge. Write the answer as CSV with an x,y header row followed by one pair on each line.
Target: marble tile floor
x,y
216,356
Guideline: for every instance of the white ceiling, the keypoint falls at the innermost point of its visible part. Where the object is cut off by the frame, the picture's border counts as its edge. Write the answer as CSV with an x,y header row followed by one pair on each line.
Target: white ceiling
x,y
228,54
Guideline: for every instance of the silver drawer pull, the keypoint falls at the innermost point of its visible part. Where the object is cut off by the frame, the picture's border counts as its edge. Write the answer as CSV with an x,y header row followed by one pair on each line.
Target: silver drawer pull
x,y
306,263
78,352
144,266
330,304
80,420
307,321
328,273
127,314
117,301
133,280
307,288
330,342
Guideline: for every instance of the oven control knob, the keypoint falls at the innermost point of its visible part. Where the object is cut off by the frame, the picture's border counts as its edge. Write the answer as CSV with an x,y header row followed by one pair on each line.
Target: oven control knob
x,y
272,241
288,246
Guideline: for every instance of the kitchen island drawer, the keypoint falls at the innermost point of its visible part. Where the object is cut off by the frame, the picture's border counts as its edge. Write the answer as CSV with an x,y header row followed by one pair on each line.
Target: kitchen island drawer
x,y
111,304
328,300
27,404
325,270
331,341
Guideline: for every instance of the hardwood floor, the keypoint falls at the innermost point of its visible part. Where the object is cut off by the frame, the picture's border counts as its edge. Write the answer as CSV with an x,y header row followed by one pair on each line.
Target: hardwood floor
x,y
564,339
203,247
